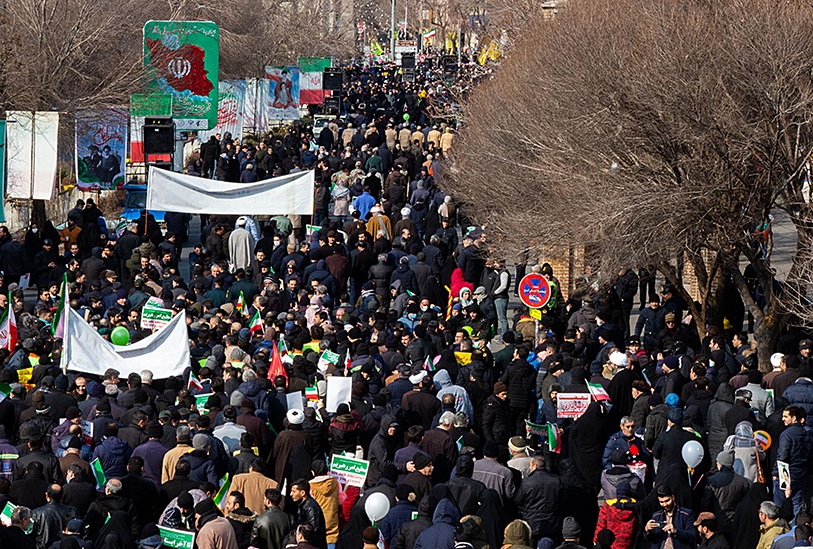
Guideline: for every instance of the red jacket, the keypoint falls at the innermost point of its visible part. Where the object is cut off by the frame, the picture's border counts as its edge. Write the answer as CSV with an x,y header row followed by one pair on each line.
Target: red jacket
x,y
618,516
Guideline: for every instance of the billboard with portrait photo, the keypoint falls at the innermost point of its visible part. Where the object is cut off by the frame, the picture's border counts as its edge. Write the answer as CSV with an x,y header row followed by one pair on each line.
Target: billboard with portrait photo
x,y
101,148
283,93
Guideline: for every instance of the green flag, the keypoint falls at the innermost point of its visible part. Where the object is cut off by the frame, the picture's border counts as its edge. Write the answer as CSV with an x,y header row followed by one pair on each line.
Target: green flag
x,y
5,516
225,486
98,472
5,391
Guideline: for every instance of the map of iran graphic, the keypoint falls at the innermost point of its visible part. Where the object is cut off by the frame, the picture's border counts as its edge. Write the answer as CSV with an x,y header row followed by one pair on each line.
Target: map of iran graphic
x,y
181,68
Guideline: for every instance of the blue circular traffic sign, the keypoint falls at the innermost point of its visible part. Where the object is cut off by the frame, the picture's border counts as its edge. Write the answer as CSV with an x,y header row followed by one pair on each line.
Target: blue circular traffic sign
x,y
534,290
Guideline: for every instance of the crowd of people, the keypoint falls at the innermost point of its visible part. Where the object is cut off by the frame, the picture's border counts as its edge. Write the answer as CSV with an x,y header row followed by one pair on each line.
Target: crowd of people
x,y
454,402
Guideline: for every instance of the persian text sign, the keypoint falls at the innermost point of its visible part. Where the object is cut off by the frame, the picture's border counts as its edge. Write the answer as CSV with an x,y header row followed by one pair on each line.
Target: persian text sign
x,y
183,58
154,317
572,405
349,471
177,539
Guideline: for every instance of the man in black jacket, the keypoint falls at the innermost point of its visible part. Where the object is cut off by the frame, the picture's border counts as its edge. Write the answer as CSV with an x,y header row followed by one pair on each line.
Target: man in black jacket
x,y
710,538
52,518
78,492
539,497
466,491
271,527
308,512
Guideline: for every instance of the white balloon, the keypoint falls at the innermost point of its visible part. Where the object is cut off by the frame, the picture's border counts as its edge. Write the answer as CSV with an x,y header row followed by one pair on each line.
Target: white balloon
x,y
693,453
377,506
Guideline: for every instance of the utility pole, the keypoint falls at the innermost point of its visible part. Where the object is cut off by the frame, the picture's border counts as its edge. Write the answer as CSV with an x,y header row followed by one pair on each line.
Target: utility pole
x,y
392,32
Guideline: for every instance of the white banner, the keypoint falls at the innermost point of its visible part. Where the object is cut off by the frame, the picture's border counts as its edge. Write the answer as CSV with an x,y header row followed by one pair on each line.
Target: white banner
x,y
230,110
255,112
174,192
31,138
165,353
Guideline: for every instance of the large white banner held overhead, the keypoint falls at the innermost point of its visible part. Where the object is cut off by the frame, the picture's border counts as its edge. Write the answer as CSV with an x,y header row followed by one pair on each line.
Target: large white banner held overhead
x,y
165,353
174,192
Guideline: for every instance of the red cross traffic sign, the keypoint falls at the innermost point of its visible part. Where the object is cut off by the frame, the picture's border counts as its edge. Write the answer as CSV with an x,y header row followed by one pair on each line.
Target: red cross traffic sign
x,y
534,290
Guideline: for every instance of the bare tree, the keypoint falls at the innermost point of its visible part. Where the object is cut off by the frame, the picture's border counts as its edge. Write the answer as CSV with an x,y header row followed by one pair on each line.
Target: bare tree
x,y
652,130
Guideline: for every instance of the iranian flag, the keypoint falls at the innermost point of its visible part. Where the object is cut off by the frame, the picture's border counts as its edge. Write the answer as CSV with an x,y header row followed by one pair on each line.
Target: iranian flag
x,y
283,351
194,383
430,34
255,325
598,392
553,439
58,324
241,304
429,364
310,88
8,327
5,391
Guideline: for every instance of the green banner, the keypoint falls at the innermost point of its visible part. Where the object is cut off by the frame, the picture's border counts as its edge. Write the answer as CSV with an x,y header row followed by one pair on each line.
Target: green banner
x,y
177,539
183,59
151,104
5,516
200,402
2,171
314,64
98,472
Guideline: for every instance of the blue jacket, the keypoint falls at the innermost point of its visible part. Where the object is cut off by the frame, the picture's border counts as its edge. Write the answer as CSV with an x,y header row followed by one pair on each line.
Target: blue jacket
x,y
113,453
202,467
397,517
619,442
252,390
462,402
441,534
801,394
685,536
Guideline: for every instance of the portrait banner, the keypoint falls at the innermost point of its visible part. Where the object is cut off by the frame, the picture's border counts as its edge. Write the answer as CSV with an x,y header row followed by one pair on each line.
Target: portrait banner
x,y
183,59
101,149
283,93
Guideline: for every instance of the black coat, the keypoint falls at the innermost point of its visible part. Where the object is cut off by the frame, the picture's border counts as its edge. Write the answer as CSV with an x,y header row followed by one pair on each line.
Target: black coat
x,y
13,536
467,493
381,451
669,447
521,380
538,499
80,495
380,274
496,420
309,512
30,491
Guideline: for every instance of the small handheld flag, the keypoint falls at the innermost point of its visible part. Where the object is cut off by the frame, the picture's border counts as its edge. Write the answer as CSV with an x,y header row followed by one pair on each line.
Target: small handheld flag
x,y
98,472
220,496
255,325
241,304
194,383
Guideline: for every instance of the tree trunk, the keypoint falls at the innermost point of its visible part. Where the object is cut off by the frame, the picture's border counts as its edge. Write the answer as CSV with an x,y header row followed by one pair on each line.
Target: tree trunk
x,y
38,215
